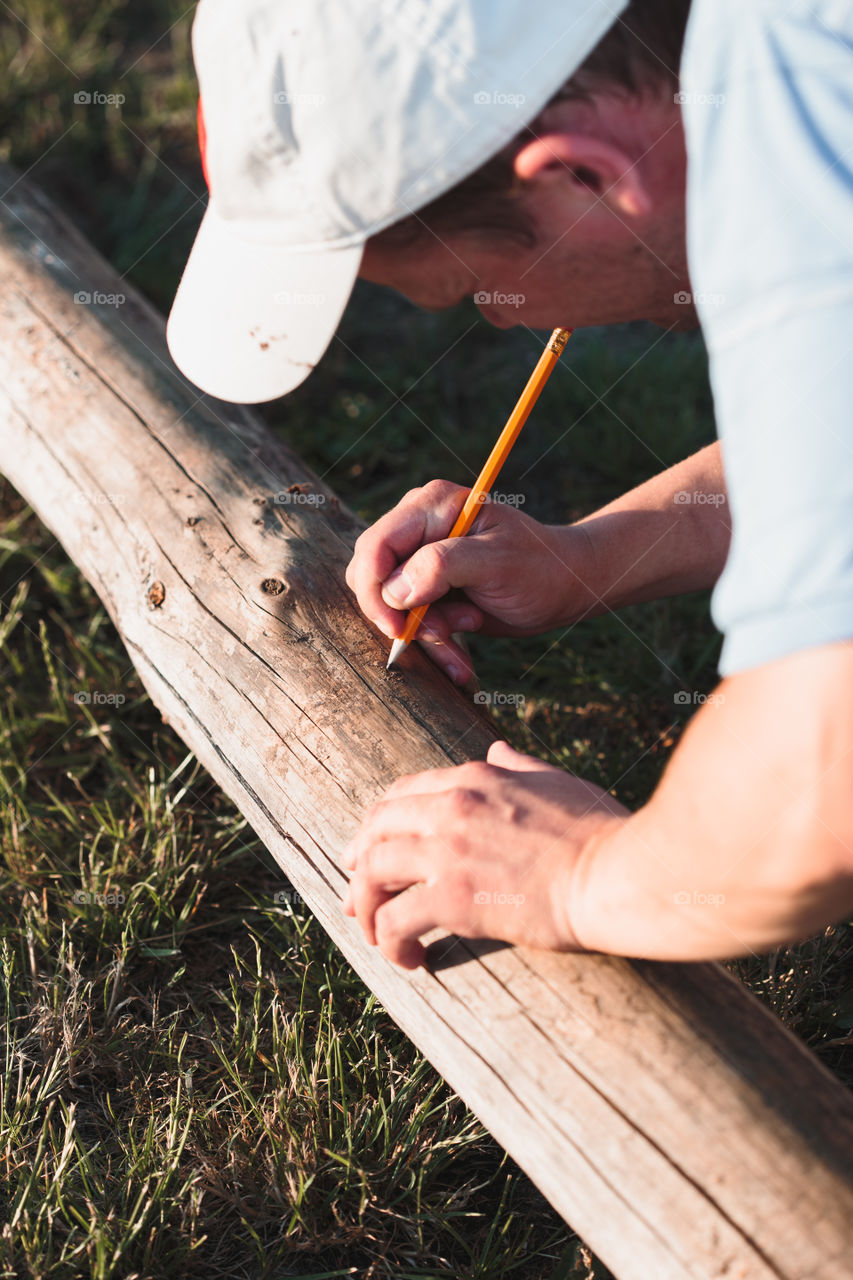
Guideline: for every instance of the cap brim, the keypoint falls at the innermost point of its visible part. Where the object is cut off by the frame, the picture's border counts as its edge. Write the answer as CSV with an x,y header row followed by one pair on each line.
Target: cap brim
x,y
250,321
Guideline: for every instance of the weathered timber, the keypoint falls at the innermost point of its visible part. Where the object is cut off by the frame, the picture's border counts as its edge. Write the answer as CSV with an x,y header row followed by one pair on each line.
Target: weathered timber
x,y
670,1118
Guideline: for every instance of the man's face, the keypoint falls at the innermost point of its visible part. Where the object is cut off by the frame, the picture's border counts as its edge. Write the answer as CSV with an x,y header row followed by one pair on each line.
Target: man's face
x,y
591,261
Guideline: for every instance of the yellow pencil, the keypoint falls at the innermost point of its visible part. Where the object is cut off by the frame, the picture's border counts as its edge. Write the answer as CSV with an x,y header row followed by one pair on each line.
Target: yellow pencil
x,y
494,462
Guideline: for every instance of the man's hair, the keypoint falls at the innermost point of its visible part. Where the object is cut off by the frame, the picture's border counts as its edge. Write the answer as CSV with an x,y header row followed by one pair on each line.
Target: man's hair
x,y
639,56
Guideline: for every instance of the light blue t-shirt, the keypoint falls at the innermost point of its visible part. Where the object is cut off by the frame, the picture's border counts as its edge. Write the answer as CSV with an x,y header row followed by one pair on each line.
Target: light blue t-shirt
x,y
767,91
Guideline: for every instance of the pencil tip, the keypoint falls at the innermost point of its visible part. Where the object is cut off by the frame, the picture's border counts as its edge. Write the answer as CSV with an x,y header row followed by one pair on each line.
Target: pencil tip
x,y
396,649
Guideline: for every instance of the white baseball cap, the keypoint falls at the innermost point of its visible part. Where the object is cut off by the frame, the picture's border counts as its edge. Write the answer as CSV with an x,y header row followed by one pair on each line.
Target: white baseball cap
x,y
324,121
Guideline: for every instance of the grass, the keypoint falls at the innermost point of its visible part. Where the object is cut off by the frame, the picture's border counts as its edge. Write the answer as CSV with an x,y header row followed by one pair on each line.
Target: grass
x,y
194,1081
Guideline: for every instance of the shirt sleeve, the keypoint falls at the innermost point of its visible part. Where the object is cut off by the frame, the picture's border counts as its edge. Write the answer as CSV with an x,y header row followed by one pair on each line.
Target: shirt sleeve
x,y
767,101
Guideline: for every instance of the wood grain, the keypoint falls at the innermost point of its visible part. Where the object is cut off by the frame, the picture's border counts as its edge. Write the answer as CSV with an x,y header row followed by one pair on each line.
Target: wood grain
x,y
668,1116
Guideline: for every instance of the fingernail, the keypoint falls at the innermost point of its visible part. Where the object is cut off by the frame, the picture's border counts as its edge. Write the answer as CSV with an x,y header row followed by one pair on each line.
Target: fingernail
x,y
457,674
467,622
397,588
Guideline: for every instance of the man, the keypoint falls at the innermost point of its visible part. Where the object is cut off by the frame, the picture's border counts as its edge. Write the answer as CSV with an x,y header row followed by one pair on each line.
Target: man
x,y
636,178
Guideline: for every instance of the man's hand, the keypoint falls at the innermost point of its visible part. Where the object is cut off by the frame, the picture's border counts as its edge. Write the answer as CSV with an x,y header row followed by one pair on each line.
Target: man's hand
x,y
519,577
746,845
486,850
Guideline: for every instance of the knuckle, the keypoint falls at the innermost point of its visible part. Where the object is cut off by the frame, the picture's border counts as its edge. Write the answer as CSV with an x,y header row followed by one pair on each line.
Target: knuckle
x,y
511,813
414,497
391,948
389,930
439,488
476,773
463,801
369,869
360,871
430,562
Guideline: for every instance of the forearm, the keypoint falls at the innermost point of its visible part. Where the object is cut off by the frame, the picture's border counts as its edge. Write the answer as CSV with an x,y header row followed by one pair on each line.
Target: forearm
x,y
745,845
651,542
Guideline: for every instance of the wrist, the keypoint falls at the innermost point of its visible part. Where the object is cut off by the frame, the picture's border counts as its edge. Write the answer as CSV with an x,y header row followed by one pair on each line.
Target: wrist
x,y
578,577
633,894
667,536
582,911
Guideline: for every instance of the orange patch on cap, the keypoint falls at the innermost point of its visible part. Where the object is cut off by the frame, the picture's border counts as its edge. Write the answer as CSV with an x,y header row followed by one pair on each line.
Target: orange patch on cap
x,y
202,144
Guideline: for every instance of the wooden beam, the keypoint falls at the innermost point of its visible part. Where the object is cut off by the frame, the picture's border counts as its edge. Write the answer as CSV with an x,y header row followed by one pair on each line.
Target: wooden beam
x,y
667,1115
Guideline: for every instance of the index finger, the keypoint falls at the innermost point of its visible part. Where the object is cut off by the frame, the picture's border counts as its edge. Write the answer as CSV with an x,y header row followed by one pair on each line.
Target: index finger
x,y
422,516
431,782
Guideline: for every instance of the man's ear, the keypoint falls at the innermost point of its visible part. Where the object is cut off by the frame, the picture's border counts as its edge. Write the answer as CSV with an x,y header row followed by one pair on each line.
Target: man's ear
x,y
591,163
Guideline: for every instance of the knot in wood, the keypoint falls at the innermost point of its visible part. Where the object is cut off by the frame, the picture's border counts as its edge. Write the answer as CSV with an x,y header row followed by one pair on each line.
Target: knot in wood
x,y
156,594
272,586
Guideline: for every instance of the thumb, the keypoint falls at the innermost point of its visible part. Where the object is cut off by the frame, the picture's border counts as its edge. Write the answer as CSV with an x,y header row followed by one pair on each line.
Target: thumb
x,y
432,570
503,756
